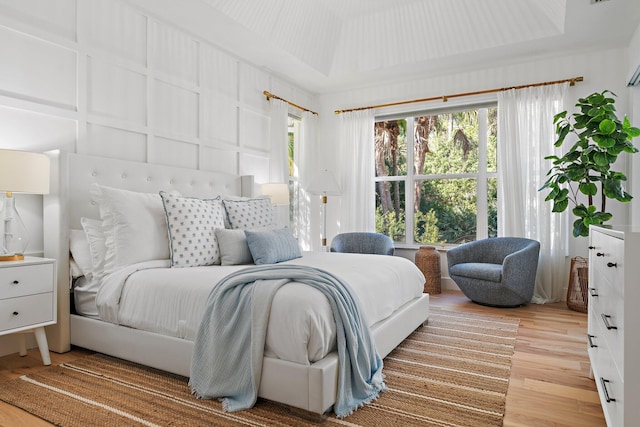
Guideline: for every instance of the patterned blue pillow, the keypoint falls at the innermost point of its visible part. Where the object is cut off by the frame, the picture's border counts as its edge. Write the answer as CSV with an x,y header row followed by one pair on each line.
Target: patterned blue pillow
x,y
191,224
249,213
270,247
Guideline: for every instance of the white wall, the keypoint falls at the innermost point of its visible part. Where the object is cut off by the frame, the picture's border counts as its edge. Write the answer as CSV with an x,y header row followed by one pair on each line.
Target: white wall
x,y
106,78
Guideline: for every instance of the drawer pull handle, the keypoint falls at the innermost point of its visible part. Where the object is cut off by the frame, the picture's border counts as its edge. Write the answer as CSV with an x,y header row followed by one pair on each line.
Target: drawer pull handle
x,y
15,282
612,264
15,313
605,319
592,247
593,292
591,344
599,253
605,391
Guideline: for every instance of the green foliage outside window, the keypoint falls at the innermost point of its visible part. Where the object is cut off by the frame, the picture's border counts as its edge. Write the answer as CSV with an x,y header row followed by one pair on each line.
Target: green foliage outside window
x,y
445,205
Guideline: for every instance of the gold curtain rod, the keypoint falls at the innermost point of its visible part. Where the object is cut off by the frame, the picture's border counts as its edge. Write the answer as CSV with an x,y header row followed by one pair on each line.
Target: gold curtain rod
x,y
269,95
445,98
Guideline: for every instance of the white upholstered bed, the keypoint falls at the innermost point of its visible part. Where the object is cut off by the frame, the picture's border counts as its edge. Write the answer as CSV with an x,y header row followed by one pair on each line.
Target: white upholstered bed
x,y
309,386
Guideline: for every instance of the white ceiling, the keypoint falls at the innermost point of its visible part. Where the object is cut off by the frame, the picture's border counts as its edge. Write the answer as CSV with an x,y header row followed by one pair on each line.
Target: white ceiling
x,y
331,45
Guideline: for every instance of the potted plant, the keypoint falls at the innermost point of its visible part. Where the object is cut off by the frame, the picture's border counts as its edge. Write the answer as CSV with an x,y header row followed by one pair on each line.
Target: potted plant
x,y
586,167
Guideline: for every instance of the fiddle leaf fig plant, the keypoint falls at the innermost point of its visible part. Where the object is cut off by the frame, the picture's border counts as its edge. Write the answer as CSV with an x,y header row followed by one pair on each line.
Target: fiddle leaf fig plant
x,y
585,169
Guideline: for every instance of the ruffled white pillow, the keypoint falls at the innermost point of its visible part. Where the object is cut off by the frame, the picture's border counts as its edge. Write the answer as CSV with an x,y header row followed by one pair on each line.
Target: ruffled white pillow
x,y
134,225
97,248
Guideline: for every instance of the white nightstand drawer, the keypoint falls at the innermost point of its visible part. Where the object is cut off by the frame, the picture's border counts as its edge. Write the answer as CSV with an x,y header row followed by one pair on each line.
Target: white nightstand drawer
x,y
22,312
26,280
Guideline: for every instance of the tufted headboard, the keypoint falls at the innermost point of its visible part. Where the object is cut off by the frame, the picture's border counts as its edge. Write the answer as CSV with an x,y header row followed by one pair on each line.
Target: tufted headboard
x,y
71,176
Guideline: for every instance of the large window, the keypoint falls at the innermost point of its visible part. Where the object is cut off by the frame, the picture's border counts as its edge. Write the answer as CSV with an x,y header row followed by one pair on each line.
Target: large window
x,y
436,176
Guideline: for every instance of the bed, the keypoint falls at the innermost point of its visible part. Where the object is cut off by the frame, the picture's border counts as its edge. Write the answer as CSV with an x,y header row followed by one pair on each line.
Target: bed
x,y
305,381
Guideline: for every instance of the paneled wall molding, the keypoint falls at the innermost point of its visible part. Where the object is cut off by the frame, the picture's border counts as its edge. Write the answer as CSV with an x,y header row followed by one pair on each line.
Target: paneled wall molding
x,y
106,78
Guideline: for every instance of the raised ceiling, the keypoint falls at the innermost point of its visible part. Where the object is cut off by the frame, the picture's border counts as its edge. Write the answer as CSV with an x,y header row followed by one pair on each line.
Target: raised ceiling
x,y
331,45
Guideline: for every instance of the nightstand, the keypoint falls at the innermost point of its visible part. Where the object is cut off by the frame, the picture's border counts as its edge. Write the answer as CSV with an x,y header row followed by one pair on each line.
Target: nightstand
x,y
28,300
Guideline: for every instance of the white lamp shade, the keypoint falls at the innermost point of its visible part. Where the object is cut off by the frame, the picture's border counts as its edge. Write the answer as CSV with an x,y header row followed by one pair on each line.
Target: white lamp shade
x,y
24,172
324,183
279,193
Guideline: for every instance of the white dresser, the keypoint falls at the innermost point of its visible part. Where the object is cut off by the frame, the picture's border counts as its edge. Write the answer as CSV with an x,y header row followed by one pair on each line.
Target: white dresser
x,y
28,300
614,321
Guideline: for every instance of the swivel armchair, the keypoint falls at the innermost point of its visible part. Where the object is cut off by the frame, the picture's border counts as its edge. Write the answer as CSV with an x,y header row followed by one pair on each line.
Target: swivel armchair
x,y
362,243
497,272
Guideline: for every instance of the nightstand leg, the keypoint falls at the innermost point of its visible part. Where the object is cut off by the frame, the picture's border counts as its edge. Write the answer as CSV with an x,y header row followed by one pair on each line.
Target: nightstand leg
x,y
41,339
22,344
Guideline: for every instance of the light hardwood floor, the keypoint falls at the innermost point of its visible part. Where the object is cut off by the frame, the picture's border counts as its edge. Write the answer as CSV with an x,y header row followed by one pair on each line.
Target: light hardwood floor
x,y
549,384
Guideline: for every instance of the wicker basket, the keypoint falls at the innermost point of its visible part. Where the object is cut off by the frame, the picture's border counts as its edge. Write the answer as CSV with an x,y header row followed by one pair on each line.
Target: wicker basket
x,y
428,261
577,292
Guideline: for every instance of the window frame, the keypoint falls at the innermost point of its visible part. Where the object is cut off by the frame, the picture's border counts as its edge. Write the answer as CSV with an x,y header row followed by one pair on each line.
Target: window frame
x,y
481,177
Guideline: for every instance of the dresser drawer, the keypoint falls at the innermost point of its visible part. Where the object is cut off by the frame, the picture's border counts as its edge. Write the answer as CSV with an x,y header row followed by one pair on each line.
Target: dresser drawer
x,y
26,280
22,312
611,390
608,258
607,314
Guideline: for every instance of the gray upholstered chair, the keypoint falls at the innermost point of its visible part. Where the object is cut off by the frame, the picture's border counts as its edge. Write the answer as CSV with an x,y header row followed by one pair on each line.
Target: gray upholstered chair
x,y
362,243
498,271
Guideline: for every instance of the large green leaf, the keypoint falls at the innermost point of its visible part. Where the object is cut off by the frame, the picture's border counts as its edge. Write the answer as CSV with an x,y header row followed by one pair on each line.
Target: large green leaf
x,y
600,158
580,211
607,126
579,229
633,132
588,188
560,205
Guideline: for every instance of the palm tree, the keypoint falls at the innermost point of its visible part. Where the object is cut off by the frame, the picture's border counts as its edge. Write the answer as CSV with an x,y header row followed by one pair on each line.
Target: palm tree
x,y
424,126
383,147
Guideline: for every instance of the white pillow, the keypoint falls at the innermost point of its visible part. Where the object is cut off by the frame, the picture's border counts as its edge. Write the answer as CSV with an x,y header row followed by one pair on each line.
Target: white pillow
x,y
249,213
192,223
134,225
97,248
81,254
233,247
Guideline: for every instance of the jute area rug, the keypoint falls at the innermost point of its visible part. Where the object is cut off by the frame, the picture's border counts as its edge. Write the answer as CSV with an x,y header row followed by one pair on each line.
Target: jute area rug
x,y
453,372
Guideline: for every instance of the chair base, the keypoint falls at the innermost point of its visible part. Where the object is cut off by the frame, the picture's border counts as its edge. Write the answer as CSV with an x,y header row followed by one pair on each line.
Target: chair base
x,y
497,305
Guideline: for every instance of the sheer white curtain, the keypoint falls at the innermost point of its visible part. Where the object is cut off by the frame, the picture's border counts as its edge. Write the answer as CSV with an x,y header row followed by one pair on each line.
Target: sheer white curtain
x,y
358,195
525,137
304,154
278,137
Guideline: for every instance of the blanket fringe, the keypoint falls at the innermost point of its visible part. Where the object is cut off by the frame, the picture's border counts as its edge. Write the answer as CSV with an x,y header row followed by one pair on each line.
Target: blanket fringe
x,y
367,401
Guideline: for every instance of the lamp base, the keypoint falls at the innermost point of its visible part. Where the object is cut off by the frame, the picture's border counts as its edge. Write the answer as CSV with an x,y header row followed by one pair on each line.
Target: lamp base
x,y
14,257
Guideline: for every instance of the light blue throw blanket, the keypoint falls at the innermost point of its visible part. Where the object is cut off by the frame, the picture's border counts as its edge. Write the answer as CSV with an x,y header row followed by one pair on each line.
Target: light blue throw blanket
x,y
229,343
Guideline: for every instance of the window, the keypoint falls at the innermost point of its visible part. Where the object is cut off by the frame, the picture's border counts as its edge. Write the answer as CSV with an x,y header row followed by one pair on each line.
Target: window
x,y
436,176
294,187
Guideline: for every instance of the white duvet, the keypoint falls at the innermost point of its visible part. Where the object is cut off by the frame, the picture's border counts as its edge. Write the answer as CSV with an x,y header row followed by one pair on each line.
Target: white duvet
x,y
153,297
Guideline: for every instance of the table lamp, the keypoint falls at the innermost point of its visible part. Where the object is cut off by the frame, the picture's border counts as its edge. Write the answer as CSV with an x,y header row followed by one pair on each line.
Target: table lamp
x,y
279,195
20,172
324,184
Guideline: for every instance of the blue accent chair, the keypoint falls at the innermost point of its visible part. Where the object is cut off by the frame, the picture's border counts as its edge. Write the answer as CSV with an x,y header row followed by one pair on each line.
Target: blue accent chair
x,y
362,243
499,272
